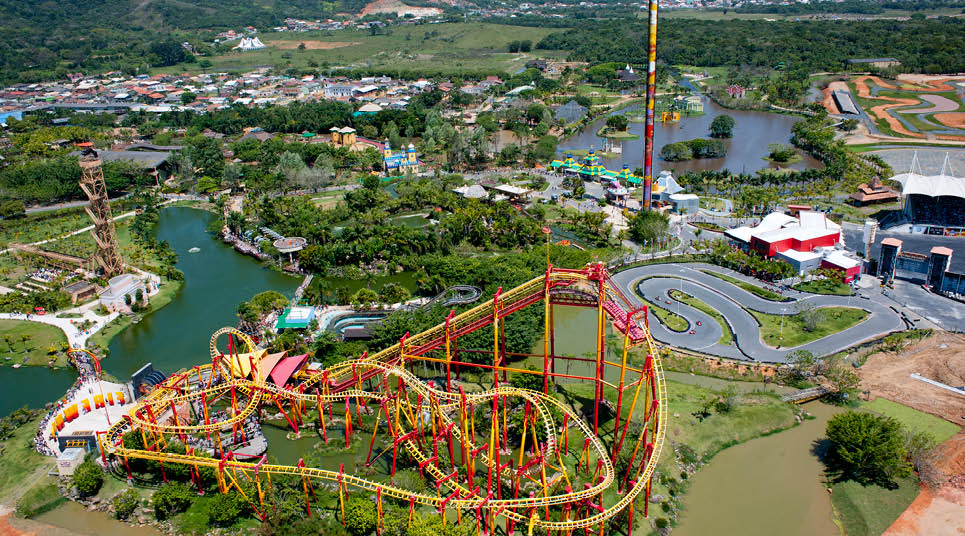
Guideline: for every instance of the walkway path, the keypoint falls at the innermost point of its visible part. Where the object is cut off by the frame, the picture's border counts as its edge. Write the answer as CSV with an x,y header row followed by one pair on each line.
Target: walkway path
x,y
655,281
76,337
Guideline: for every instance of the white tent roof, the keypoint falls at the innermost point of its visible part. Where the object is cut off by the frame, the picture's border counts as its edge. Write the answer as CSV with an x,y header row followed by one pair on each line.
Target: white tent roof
x,y
931,185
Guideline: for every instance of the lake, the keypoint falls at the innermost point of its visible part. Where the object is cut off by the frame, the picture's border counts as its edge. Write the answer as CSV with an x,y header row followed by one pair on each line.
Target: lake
x,y
753,132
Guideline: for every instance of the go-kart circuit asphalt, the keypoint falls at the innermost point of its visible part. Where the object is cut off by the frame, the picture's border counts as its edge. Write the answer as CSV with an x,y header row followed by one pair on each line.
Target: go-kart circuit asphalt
x,y
654,282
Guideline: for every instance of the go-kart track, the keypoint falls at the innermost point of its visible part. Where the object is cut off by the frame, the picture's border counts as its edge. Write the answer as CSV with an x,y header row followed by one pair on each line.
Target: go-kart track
x,y
654,282
564,478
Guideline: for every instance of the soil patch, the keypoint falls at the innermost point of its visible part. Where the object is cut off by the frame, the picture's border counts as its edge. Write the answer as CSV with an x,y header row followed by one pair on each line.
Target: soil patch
x,y
939,358
951,119
941,511
311,45
400,9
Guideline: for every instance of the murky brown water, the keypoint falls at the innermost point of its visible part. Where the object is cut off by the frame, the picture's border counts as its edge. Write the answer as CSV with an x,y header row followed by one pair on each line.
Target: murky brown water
x,y
753,132
75,518
767,486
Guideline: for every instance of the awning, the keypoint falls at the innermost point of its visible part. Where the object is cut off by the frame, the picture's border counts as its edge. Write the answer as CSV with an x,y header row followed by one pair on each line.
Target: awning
x,y
286,368
268,363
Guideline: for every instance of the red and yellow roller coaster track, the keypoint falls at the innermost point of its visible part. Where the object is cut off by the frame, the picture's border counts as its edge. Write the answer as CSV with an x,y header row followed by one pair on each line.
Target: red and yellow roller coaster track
x,y
437,426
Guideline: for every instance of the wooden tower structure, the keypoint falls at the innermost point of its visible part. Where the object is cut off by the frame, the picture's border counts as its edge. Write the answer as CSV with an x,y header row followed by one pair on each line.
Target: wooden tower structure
x,y
99,210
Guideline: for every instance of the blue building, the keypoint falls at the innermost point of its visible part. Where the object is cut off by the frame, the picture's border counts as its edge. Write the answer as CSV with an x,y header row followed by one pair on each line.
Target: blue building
x,y
401,161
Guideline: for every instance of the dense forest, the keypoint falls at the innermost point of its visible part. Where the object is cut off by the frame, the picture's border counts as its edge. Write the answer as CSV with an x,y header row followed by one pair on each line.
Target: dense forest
x,y
45,40
930,46
862,7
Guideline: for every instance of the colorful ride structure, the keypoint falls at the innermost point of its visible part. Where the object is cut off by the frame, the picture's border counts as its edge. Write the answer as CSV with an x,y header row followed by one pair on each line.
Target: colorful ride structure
x,y
504,454
590,167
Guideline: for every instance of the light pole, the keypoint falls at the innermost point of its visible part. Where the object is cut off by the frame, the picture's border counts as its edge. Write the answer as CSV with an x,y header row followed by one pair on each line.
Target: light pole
x,y
783,314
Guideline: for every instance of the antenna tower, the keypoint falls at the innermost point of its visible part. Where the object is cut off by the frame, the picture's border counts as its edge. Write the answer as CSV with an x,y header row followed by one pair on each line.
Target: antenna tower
x,y
99,210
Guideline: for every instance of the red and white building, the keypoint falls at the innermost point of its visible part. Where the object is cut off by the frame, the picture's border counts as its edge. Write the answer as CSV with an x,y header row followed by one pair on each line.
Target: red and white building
x,y
807,242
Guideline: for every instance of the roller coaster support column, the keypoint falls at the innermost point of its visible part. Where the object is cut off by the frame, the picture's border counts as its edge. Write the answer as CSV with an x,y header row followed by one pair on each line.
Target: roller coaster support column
x,y
644,373
321,414
493,426
546,323
651,98
623,371
600,352
452,313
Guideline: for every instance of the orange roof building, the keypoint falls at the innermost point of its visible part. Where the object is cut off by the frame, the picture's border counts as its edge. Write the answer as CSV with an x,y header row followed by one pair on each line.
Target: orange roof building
x,y
876,192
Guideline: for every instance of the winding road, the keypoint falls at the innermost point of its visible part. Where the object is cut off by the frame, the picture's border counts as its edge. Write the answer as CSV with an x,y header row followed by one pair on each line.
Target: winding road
x,y
655,281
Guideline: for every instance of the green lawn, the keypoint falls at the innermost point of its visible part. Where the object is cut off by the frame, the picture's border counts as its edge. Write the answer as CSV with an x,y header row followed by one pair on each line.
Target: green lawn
x,y
832,320
749,287
671,320
440,48
20,461
727,337
34,351
869,510
824,286
912,419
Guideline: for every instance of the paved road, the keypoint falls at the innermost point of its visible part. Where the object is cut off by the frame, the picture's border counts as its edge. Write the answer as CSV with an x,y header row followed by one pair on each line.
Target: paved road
x,y
731,301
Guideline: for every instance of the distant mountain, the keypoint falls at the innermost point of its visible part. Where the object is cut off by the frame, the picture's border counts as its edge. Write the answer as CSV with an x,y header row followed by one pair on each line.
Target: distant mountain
x,y
47,39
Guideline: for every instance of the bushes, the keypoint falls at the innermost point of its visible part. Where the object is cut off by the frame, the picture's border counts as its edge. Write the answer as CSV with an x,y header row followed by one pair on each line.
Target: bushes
x,y
88,478
124,503
225,508
171,499
360,517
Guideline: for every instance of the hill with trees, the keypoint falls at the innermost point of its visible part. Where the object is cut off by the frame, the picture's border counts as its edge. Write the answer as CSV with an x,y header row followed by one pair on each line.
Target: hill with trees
x,y
42,40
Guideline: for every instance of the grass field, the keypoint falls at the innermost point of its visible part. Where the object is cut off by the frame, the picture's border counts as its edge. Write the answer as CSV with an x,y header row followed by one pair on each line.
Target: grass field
x,y
727,337
673,321
791,332
749,287
869,510
443,48
35,350
824,286
912,419
20,462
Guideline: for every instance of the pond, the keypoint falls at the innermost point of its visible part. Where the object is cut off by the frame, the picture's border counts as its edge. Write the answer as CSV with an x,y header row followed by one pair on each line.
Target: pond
x,y
76,519
769,485
216,279
753,132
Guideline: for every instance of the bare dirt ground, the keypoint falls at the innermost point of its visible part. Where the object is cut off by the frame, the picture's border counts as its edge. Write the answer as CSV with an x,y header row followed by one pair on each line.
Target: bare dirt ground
x,y
310,45
828,101
941,357
952,119
400,9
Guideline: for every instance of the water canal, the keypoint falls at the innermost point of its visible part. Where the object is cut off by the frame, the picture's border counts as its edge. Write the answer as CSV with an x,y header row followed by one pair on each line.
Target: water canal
x,y
753,132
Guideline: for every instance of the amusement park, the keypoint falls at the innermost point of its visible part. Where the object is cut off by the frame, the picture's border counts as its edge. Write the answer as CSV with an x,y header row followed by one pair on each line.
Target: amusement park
x,y
509,454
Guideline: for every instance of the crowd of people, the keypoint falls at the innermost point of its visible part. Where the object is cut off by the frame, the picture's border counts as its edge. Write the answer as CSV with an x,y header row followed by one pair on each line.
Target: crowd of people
x,y
47,275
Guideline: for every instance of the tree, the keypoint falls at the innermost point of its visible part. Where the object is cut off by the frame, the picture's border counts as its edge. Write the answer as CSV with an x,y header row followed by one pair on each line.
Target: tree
x,y
393,293
364,298
617,122
867,448
648,226
12,209
676,152
849,125
171,499
188,97
360,517
722,127
88,478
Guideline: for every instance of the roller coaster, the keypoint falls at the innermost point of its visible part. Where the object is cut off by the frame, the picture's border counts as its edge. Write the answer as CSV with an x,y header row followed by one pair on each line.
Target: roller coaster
x,y
554,472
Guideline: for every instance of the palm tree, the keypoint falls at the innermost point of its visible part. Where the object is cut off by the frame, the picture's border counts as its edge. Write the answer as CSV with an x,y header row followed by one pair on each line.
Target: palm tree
x,y
25,338
9,340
